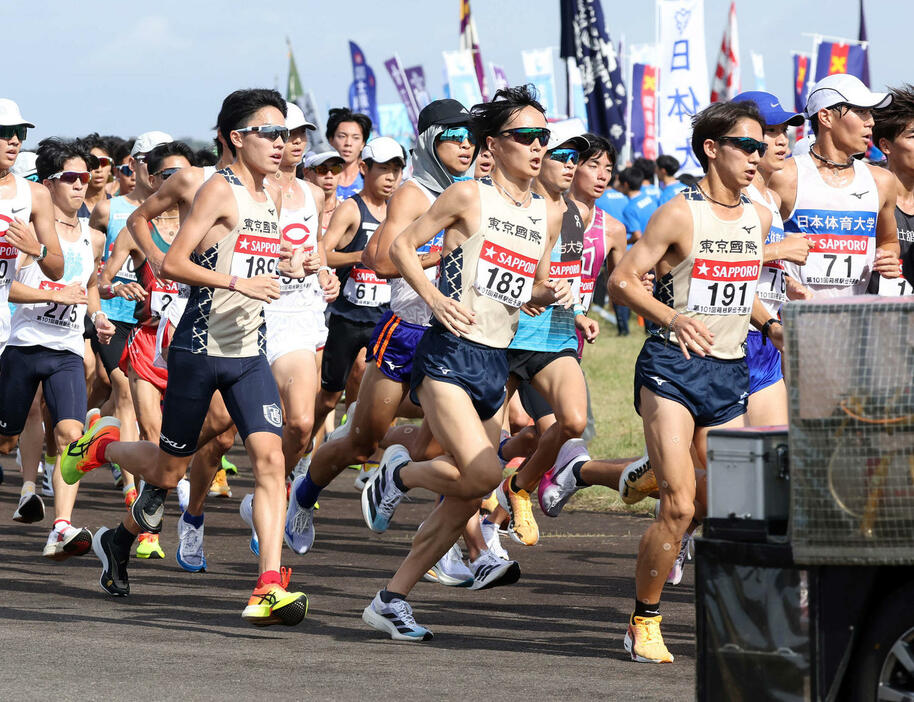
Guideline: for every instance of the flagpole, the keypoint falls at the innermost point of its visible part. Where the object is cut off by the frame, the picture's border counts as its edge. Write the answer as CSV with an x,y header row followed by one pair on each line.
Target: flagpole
x,y
819,38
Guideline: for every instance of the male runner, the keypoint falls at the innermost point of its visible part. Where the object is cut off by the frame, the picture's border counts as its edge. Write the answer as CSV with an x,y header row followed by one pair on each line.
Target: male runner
x,y
497,243
348,133
102,174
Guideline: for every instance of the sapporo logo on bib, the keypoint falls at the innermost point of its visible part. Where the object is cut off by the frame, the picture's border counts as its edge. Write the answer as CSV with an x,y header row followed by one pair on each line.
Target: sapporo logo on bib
x,y
365,289
255,255
570,271
57,314
8,253
163,294
723,287
504,275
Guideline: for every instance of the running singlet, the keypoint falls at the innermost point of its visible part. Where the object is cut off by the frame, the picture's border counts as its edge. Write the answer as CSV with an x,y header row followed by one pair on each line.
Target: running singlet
x,y
716,282
593,257
299,228
897,287
222,322
404,301
553,330
18,207
363,296
117,308
772,286
492,272
344,192
842,224
54,325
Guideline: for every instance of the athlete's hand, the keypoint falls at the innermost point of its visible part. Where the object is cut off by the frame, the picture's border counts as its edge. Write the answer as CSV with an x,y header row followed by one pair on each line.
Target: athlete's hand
x,y
130,291
561,291
330,285
20,235
776,335
532,309
455,317
886,264
647,280
692,335
589,327
794,248
311,261
104,329
797,291
260,287
71,294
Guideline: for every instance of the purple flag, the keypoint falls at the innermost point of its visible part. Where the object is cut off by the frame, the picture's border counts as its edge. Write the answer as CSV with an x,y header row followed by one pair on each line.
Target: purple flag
x,y
415,76
398,76
498,73
363,87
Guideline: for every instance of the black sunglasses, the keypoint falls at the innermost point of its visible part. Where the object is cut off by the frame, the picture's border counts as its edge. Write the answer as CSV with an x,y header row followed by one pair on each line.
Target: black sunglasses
x,y
527,135
747,145
18,130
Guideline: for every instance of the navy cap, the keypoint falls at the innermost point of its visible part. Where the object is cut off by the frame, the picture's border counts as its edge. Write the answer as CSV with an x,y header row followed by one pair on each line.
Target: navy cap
x,y
770,108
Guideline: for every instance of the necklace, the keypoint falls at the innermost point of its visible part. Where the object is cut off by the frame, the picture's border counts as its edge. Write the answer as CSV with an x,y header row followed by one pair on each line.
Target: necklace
x,y
166,217
716,202
830,163
517,203
69,224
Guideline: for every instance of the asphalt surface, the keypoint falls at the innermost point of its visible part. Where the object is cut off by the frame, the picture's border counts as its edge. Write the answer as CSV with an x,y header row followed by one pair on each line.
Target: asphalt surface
x,y
557,632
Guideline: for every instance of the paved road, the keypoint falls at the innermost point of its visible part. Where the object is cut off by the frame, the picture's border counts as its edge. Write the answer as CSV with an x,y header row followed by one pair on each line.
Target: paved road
x,y
557,632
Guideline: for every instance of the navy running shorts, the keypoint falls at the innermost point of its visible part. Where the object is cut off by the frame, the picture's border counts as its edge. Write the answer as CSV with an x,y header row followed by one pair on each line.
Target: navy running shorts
x,y
112,352
713,390
246,384
62,376
345,339
482,371
764,362
393,345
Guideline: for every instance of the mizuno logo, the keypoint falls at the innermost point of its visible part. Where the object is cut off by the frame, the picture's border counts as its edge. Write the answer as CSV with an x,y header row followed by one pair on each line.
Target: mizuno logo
x,y
749,229
659,381
271,211
443,370
392,366
856,195
534,219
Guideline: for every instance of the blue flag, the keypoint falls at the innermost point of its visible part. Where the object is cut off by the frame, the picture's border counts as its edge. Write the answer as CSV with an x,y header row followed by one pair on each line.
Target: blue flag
x,y
363,87
585,39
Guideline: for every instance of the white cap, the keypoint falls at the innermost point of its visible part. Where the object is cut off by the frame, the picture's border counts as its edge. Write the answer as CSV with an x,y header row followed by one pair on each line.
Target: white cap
x,y
383,149
147,141
295,118
572,130
313,159
843,88
10,115
25,164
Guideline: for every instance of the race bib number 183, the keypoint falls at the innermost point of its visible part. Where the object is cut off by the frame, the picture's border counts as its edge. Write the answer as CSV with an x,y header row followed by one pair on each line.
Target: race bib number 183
x,y
504,275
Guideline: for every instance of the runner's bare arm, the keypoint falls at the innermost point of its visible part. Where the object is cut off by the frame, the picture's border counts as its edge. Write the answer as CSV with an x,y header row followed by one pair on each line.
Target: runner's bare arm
x,y
887,262
404,208
124,246
343,226
104,329
98,220
22,294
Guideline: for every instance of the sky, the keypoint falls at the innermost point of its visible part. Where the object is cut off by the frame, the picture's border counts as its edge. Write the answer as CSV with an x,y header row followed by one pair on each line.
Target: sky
x,y
125,68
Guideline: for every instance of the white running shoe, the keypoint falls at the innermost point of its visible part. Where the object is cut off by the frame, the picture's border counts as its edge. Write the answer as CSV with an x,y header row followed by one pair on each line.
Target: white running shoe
x,y
381,496
299,531
302,466
246,509
183,493
489,571
685,554
189,553
637,481
30,509
394,618
493,541
559,484
365,474
72,541
450,570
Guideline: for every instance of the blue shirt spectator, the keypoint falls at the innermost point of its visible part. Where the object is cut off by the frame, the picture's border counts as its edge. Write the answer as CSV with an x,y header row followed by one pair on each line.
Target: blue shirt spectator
x,y
613,203
670,191
636,214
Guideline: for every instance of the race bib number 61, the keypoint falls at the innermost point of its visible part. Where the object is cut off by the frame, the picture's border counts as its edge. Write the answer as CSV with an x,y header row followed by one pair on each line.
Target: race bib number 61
x,y
504,275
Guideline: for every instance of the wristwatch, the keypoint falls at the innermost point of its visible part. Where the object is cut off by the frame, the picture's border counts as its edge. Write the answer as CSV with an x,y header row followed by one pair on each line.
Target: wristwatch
x,y
766,327
42,253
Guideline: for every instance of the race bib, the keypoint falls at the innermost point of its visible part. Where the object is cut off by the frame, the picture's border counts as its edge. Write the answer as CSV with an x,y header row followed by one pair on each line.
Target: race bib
x,y
8,254
837,260
365,289
895,287
570,271
723,287
255,255
127,271
162,295
773,283
588,285
56,314
504,276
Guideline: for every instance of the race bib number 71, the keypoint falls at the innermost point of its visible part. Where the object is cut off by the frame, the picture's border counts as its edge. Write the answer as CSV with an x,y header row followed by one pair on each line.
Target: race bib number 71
x,y
504,275
723,287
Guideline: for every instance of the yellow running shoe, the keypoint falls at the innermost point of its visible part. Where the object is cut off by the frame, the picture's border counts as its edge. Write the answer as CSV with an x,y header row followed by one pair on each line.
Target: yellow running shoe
x,y
522,526
84,454
149,547
272,604
637,481
644,642
220,486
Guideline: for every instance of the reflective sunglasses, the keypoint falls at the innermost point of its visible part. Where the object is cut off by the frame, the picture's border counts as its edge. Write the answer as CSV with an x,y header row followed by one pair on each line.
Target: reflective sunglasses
x,y
104,161
565,155
125,170
267,131
166,173
8,132
747,145
324,169
458,135
71,176
527,135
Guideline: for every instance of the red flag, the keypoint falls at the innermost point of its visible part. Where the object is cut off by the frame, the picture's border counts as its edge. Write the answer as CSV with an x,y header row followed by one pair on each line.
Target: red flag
x,y
726,83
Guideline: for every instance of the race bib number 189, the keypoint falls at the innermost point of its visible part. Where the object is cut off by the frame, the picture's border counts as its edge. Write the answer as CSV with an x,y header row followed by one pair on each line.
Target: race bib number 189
x,y
255,255
504,275
723,287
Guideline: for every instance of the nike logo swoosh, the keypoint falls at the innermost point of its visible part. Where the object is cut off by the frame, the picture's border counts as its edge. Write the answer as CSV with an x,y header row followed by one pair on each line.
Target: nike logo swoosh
x,y
307,218
21,209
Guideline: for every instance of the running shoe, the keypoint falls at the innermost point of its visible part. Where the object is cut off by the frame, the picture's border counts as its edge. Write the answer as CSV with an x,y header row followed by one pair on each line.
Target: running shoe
x,y
381,496
637,481
229,467
302,466
189,553
183,493
246,509
148,546
343,429
490,571
521,526
493,539
220,486
299,531
117,475
559,483
365,473
394,618
114,578
272,604
148,509
450,570
82,455
30,509
47,480
644,642
130,496
92,416
685,554
71,541
489,503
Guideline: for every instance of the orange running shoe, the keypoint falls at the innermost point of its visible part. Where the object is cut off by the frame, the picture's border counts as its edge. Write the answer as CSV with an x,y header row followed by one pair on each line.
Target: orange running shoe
x,y
83,455
130,497
272,604
220,486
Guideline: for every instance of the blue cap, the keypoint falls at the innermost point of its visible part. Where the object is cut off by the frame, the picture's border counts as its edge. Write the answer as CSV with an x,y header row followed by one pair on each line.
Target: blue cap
x,y
771,109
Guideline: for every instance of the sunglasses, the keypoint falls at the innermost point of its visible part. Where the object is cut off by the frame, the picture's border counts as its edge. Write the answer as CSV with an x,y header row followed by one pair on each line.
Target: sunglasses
x,y
71,176
527,135
17,130
125,170
458,135
745,144
565,155
104,161
166,173
267,131
323,169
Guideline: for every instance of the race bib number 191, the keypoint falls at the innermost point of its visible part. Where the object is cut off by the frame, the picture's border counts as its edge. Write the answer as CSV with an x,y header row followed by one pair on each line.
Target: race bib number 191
x,y
504,275
723,287
255,255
